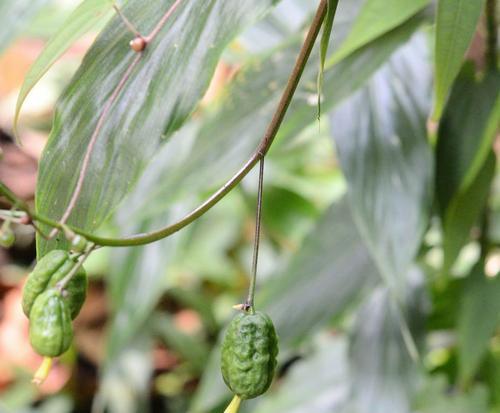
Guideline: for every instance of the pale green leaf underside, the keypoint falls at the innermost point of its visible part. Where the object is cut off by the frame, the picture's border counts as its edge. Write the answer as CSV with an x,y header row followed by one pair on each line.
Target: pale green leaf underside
x,y
381,139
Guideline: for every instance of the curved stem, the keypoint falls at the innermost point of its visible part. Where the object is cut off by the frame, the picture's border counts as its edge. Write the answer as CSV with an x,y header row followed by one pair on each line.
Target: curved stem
x,y
263,147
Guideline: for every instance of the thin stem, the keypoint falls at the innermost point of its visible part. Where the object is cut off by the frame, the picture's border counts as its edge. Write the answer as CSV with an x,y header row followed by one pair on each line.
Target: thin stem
x,y
251,290
162,22
67,278
263,147
126,21
491,25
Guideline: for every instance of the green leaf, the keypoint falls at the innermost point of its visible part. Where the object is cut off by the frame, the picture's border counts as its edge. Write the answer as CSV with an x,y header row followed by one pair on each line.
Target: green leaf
x,y
136,281
161,92
464,211
384,376
124,384
435,397
325,40
15,16
381,139
463,172
369,25
317,383
466,133
227,136
321,281
478,319
85,17
192,349
456,22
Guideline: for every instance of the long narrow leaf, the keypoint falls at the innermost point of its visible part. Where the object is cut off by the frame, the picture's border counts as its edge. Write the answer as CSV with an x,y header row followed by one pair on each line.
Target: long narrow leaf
x,y
455,25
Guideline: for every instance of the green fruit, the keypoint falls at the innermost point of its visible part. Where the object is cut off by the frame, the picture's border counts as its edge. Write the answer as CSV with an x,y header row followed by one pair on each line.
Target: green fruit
x,y
7,238
249,351
51,269
78,243
51,332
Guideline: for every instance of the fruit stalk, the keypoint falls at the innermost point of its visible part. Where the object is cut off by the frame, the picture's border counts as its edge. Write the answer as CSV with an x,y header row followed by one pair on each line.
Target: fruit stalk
x,y
251,291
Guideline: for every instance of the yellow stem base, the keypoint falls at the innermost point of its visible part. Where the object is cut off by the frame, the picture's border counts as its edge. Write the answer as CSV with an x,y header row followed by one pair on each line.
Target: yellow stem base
x,y
43,371
234,405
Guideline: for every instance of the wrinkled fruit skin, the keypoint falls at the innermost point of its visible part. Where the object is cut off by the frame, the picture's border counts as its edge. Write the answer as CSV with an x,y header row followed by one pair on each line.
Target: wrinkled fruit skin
x,y
47,273
50,332
248,358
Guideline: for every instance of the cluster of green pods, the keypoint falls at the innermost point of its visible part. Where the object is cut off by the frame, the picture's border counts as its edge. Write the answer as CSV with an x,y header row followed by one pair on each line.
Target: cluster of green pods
x,y
50,306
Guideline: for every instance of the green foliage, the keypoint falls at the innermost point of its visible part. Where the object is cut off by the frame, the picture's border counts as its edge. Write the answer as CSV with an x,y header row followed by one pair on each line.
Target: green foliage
x,y
156,99
352,256
479,316
456,22
464,162
383,150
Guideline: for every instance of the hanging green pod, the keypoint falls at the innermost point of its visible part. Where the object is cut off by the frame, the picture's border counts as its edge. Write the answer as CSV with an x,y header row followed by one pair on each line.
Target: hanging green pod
x,y
248,358
51,269
50,329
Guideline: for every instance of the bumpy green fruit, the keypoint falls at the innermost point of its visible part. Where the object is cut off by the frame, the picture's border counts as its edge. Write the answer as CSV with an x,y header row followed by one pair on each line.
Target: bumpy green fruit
x,y
51,332
249,351
47,273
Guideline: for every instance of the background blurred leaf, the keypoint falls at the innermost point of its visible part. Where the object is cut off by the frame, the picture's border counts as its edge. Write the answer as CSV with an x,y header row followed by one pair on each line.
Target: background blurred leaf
x,y
124,383
321,281
317,383
191,349
85,17
369,26
383,373
381,139
465,137
466,133
464,211
137,280
435,397
15,16
479,316
456,22
218,145
158,97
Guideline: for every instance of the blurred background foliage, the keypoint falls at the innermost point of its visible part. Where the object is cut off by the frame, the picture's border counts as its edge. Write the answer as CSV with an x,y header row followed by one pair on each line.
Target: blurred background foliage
x,y
380,252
